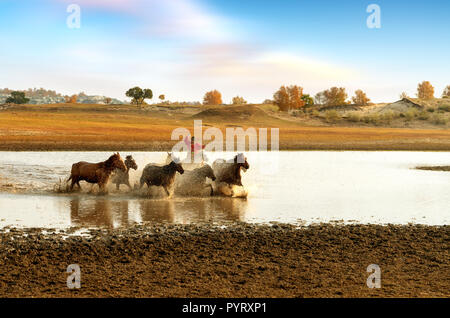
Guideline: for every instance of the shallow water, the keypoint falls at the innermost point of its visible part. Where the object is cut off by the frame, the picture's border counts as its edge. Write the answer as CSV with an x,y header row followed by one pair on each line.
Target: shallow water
x,y
293,187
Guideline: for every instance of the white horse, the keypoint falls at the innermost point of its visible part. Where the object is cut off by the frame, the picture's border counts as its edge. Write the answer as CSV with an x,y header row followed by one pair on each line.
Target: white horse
x,y
195,182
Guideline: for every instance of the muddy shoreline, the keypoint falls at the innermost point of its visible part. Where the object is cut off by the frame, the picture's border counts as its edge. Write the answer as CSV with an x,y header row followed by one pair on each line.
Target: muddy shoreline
x,y
434,168
239,260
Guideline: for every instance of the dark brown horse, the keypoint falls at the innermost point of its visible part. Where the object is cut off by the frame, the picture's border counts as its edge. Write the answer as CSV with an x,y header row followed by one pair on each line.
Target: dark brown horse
x,y
230,171
96,172
161,176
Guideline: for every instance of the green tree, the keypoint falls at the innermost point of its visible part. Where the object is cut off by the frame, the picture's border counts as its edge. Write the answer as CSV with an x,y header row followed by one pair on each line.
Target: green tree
x,y
309,101
138,95
17,98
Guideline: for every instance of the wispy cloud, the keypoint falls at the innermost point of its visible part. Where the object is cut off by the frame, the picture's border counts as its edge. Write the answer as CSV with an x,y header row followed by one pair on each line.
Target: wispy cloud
x,y
167,18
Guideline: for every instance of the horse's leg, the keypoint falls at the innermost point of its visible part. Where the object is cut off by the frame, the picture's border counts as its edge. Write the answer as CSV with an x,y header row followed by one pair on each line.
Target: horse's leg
x,y
102,188
129,185
72,183
167,191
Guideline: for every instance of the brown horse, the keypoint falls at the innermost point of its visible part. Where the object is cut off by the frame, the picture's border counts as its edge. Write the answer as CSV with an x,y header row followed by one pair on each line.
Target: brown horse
x,y
96,172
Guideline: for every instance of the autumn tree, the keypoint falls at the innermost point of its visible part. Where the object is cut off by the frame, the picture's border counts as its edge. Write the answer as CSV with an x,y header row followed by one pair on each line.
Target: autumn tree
x,y
425,90
290,97
335,96
162,97
360,98
295,97
403,95
281,98
108,100
71,99
212,98
446,92
238,100
138,95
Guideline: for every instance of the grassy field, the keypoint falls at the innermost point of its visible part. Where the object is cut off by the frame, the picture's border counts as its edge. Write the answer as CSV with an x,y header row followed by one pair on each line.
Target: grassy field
x,y
125,127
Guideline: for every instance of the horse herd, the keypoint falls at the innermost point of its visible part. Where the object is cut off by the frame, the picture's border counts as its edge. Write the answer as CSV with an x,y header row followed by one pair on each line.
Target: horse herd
x,y
218,179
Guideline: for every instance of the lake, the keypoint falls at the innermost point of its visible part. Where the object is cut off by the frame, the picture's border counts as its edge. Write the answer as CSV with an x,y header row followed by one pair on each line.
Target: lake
x,y
297,187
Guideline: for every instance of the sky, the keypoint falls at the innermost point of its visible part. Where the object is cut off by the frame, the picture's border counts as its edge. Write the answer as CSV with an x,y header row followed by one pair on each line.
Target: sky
x,y
183,48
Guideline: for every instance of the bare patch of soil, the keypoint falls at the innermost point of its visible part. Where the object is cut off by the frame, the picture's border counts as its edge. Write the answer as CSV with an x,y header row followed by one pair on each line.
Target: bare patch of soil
x,y
236,261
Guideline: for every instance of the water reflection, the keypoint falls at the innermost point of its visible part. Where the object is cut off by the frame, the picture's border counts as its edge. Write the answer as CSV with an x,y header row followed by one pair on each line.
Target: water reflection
x,y
112,213
162,211
91,213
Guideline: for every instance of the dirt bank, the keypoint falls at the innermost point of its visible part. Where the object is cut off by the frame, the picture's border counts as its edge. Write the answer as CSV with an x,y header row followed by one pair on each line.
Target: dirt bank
x,y
75,127
237,261
435,168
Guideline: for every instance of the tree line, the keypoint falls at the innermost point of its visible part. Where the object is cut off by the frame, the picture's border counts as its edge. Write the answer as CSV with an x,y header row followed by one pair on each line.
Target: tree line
x,y
286,97
293,97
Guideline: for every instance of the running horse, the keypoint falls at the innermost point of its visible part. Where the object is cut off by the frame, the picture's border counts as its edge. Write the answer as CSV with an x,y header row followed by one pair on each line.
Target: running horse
x,y
123,177
96,173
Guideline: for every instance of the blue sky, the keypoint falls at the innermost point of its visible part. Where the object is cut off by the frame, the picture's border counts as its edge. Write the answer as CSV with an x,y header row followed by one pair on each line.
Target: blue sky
x,y
182,48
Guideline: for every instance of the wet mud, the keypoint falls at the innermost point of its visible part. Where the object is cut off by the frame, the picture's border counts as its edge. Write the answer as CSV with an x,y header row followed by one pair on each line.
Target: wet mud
x,y
239,260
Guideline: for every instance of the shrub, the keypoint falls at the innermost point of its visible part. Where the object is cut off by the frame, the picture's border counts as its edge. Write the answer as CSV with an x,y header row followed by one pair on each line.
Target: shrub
x,y
332,116
445,108
354,117
423,115
388,117
439,120
410,114
375,119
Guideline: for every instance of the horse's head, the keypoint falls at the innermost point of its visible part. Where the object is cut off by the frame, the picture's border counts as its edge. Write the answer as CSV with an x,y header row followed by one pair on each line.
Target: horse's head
x,y
176,167
209,173
116,162
130,163
241,160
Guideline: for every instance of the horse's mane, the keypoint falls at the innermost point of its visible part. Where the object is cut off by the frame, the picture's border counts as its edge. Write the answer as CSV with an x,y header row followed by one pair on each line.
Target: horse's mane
x,y
170,167
237,171
109,163
236,158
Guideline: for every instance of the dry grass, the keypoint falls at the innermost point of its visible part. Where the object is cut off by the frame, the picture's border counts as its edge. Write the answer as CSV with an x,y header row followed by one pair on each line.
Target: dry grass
x,y
95,127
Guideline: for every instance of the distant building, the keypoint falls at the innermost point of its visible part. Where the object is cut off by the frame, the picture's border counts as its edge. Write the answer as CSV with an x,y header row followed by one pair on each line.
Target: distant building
x,y
84,99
